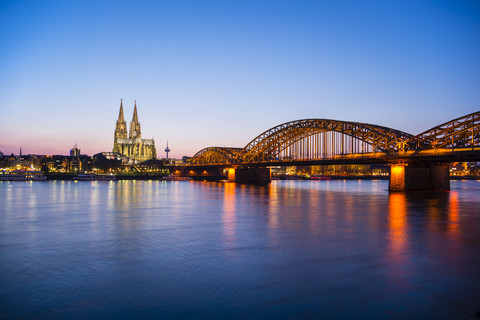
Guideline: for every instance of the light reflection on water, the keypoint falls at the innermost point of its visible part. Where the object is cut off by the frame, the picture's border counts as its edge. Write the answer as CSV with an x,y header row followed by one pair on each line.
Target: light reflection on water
x,y
293,249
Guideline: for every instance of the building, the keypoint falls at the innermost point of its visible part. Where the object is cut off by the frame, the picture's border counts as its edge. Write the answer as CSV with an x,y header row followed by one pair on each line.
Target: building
x,y
20,162
133,146
75,152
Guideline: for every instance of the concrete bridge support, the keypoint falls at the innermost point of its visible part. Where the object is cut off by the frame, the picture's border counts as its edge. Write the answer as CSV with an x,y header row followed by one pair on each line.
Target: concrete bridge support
x,y
249,175
419,177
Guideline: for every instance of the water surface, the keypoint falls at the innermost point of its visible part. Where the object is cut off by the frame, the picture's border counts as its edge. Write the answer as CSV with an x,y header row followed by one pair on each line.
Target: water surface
x,y
290,250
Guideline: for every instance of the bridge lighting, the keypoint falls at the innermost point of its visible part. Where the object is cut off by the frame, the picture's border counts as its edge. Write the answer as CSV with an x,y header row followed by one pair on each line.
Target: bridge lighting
x,y
397,170
231,174
397,178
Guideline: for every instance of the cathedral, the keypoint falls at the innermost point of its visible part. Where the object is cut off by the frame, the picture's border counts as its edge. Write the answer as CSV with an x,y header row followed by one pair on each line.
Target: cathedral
x,y
132,146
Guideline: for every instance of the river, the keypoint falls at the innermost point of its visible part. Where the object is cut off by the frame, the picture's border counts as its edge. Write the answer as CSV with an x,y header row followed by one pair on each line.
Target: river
x,y
206,250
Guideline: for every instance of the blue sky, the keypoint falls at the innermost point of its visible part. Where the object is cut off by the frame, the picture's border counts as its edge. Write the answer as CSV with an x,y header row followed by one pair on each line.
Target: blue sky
x,y
218,73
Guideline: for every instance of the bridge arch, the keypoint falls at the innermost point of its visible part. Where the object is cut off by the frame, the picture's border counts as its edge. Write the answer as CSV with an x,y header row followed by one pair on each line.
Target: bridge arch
x,y
271,143
215,155
463,132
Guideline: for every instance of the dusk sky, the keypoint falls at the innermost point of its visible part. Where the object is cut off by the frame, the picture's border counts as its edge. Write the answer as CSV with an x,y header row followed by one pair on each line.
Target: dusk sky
x,y
218,73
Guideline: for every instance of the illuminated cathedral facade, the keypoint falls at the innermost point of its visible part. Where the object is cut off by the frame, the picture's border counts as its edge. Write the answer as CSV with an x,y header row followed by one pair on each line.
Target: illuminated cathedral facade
x,y
132,146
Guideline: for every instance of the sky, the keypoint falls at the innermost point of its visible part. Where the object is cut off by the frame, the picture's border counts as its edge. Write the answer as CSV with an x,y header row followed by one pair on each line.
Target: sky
x,y
219,73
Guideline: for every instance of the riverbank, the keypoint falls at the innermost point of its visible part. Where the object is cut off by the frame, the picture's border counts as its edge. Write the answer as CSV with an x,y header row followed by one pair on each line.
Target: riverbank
x,y
151,176
142,176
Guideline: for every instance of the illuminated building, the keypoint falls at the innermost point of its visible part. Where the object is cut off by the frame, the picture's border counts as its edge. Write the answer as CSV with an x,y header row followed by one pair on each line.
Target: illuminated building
x,y
133,146
75,152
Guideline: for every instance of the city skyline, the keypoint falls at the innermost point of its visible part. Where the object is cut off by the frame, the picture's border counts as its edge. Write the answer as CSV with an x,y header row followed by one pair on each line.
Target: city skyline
x,y
215,73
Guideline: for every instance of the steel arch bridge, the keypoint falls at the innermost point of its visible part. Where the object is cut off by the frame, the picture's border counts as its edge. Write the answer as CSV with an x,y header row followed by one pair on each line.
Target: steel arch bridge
x,y
325,139
216,155
463,132
321,137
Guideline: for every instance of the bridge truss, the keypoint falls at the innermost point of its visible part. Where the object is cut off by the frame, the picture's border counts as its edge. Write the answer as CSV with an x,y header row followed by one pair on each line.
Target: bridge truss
x,y
216,155
324,139
463,132
321,138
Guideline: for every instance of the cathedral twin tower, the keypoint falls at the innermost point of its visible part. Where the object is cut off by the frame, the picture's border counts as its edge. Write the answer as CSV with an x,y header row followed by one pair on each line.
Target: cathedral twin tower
x,y
132,146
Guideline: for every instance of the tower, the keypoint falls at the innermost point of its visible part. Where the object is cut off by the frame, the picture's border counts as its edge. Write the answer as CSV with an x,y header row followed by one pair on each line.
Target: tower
x,y
167,150
135,131
121,128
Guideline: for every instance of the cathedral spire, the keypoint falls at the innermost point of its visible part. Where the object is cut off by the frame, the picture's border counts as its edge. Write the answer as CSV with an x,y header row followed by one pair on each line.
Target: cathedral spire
x,y
135,131
121,126
135,116
120,114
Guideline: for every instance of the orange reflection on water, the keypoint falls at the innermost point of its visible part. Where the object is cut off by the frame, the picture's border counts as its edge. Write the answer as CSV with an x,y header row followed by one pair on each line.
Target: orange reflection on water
x,y
453,213
275,194
397,221
273,207
228,217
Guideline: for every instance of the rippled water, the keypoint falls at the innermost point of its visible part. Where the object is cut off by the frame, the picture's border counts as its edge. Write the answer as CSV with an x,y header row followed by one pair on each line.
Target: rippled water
x,y
290,250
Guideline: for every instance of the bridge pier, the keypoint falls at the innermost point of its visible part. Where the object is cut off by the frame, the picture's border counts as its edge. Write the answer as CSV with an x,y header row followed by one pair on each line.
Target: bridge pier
x,y
254,175
412,177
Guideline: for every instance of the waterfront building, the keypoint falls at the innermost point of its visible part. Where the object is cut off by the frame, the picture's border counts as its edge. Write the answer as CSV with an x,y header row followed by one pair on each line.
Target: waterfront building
x,y
20,162
65,164
132,146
